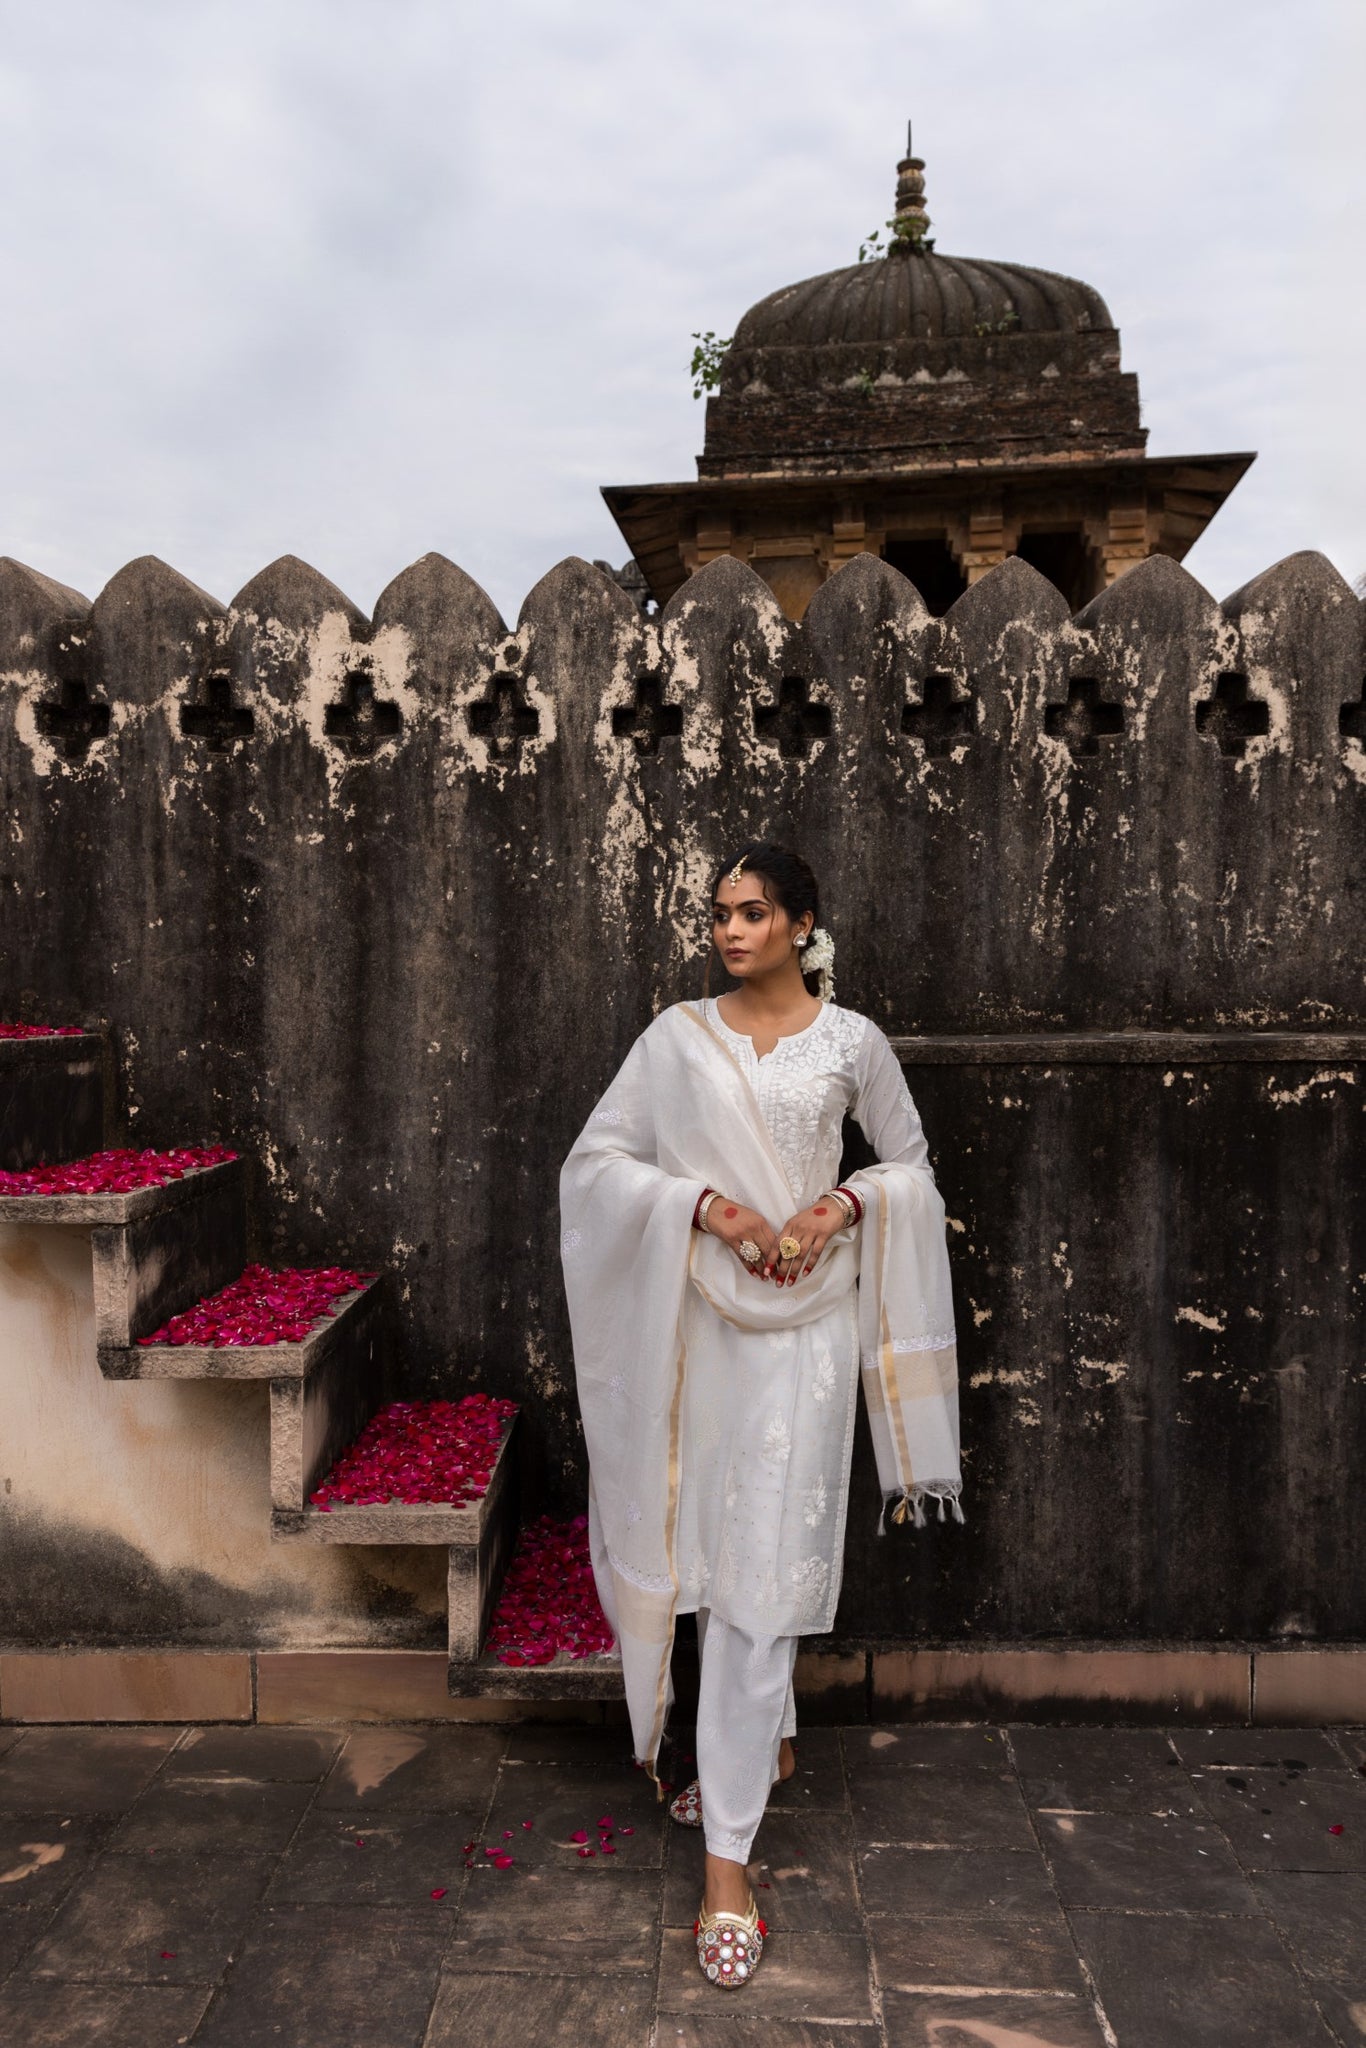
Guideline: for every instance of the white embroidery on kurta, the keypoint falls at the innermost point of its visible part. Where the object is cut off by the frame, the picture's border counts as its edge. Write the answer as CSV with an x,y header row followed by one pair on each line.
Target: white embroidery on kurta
x,y
809,1578
816,1502
571,1240
633,1512
618,1383
824,1385
606,1116
777,1441
931,1340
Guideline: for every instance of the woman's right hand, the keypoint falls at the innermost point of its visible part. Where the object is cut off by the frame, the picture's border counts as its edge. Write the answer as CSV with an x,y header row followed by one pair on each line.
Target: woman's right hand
x,y
733,1223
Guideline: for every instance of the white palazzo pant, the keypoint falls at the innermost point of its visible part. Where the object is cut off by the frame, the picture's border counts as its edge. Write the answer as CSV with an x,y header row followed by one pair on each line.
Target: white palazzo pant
x,y
744,1709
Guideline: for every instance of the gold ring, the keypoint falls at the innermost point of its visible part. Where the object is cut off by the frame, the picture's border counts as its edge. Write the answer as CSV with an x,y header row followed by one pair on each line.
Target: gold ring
x,y
749,1251
790,1247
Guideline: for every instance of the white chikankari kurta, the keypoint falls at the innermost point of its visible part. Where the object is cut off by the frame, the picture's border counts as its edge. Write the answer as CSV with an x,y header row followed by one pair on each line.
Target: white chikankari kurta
x,y
719,1409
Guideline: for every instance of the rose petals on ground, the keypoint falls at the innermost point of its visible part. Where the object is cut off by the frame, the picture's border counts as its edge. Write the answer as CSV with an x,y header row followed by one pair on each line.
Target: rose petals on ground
x,y
1336,1828
116,1172
503,1862
439,1893
414,1451
588,1852
263,1307
549,1603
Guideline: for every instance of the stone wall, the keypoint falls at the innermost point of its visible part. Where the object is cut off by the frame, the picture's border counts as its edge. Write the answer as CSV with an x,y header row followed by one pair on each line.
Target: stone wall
x,y
383,903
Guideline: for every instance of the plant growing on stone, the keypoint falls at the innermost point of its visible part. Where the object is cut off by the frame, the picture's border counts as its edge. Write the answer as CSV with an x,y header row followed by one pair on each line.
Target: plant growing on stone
x,y
706,361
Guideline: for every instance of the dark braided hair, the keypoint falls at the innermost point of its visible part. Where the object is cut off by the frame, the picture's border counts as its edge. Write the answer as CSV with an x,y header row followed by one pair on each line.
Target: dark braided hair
x,y
788,881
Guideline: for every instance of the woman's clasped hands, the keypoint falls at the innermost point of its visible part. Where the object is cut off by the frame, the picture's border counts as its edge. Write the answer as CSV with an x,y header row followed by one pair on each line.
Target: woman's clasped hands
x,y
811,1228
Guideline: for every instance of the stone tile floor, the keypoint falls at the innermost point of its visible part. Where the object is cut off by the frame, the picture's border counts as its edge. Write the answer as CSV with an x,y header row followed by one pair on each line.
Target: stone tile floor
x,y
967,1887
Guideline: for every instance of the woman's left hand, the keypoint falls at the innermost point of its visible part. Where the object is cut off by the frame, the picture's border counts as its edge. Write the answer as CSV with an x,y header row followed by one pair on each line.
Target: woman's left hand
x,y
813,1228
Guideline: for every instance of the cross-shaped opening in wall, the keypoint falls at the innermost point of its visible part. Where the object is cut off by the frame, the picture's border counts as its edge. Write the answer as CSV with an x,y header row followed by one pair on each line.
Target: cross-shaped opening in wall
x,y
1352,717
1232,717
504,717
73,720
794,721
360,719
939,720
649,719
1085,719
217,721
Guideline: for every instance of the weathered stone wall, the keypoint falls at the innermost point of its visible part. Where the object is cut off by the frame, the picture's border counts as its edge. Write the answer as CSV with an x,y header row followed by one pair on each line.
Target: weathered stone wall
x,y
861,405
384,903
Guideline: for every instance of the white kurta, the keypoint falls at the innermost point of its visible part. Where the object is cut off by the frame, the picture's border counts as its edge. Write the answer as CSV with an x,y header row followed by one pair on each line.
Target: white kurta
x,y
768,1416
718,1409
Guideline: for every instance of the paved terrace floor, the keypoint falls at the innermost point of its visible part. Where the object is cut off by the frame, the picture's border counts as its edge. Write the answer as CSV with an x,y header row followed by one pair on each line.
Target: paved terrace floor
x,y
1036,1887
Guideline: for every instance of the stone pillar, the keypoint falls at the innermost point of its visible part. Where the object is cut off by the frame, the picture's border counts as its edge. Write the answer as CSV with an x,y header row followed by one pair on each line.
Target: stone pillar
x,y
1125,540
986,539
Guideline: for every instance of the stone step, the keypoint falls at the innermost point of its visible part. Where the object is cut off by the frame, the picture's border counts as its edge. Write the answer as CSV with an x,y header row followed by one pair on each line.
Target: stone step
x,y
314,1418
52,1099
564,1678
282,1361
479,1537
155,1250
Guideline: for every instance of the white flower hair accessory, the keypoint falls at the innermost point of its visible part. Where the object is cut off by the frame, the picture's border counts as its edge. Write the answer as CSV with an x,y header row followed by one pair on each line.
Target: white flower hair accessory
x,y
818,957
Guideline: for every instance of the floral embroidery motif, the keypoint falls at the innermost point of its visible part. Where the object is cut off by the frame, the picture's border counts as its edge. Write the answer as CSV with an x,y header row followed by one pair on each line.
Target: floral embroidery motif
x,y
809,1578
571,1240
606,1116
777,1441
633,1512
824,1385
814,1512
802,1087
930,1340
618,1383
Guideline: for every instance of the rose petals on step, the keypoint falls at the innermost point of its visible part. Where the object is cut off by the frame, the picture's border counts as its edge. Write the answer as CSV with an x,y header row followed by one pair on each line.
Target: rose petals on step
x,y
549,1604
503,1862
441,1452
579,1835
588,1852
439,1893
117,1172
1336,1828
42,1031
263,1307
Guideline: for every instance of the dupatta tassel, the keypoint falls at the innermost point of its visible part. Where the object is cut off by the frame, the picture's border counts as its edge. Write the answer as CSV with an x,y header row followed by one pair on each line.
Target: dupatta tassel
x,y
910,1507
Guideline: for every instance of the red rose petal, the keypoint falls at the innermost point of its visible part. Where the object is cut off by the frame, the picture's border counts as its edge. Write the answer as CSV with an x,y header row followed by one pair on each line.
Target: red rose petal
x,y
168,1955
1336,1828
579,1835
439,1893
588,1852
503,1862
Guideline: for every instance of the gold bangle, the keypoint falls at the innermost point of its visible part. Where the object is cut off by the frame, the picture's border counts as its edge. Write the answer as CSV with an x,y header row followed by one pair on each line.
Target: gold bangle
x,y
850,1212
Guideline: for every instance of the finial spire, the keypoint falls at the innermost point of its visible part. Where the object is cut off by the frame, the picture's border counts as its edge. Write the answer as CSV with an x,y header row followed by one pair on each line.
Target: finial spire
x,y
910,225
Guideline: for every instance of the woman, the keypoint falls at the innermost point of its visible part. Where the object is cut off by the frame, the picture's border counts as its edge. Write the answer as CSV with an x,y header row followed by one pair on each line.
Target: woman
x,y
722,1294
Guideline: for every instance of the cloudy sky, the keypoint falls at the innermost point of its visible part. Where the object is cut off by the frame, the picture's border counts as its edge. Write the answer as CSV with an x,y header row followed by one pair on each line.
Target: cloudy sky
x,y
354,279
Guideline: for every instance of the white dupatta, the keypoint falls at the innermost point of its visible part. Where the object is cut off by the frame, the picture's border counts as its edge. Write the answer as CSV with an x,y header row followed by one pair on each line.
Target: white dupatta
x,y
681,1115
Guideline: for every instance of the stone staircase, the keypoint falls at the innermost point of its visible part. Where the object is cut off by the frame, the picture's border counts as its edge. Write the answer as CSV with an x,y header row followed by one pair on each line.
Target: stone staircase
x,y
158,1251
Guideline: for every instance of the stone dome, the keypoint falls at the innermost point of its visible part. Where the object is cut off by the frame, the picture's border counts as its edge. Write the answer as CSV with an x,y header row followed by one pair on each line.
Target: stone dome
x,y
921,297
914,360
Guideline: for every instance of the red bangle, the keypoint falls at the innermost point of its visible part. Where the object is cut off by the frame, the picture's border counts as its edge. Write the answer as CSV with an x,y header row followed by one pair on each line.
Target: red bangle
x,y
698,1204
851,1196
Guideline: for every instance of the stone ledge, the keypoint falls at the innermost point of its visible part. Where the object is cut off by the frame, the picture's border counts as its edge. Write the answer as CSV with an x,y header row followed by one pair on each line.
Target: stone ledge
x,y
249,1361
398,1521
126,1685
386,1685
96,1210
1305,1687
1161,1683
565,1678
1130,1048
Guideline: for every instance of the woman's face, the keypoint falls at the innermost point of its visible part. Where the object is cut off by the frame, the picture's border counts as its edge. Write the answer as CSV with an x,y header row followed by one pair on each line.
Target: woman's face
x,y
753,935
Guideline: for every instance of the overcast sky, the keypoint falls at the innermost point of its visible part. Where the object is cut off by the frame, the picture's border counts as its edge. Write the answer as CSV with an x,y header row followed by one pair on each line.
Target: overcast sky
x,y
354,279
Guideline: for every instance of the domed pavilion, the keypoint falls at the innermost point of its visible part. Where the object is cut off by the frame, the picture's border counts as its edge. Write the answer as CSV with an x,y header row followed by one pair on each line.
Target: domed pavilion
x,y
939,411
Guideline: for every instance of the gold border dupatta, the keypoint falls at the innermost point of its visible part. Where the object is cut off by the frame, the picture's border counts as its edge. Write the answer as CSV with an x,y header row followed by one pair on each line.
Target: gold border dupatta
x,y
679,1115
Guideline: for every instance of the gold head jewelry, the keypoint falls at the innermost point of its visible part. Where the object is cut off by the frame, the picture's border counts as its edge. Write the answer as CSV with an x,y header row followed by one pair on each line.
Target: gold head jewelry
x,y
734,876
